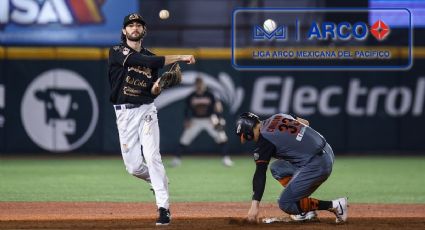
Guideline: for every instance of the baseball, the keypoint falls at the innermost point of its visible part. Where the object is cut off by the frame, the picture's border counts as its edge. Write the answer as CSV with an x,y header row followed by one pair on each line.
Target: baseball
x,y
164,14
269,25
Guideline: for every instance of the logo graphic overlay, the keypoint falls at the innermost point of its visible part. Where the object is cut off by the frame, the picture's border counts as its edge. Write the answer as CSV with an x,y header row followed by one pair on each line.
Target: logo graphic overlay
x,y
380,30
59,110
62,22
269,31
65,12
320,39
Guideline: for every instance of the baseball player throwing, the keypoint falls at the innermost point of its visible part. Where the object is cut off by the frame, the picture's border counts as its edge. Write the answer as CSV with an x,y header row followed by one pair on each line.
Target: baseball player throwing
x,y
304,162
133,77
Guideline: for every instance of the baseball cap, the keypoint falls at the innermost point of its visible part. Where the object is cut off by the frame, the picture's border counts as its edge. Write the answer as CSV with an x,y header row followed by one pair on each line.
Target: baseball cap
x,y
133,17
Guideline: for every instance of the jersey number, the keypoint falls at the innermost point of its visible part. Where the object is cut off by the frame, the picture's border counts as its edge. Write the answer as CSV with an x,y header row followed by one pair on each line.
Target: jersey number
x,y
289,125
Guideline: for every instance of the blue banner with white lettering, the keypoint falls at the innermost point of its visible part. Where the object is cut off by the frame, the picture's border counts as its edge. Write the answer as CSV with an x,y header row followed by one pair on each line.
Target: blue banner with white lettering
x,y
63,22
320,39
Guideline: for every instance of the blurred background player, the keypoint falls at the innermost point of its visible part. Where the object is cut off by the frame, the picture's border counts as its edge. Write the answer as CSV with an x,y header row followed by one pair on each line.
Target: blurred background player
x,y
203,112
304,162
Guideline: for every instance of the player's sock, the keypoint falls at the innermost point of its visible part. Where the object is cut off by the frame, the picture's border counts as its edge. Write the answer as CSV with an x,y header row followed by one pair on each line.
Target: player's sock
x,y
325,205
311,204
284,181
224,147
181,149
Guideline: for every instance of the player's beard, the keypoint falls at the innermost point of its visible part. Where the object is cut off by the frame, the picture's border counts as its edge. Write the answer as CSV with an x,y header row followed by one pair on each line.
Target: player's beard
x,y
135,38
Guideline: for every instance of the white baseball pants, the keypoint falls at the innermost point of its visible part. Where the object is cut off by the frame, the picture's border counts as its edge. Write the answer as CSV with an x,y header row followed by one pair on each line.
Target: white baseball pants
x,y
139,140
199,124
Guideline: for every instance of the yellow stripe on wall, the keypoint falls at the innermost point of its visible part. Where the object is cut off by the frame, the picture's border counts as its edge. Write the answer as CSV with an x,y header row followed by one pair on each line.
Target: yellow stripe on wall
x,y
80,53
396,52
203,53
419,52
53,53
223,53
30,53
94,53
2,53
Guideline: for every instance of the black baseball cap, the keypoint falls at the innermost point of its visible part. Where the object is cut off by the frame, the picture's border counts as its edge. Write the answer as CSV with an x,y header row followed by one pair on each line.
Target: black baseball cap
x,y
133,17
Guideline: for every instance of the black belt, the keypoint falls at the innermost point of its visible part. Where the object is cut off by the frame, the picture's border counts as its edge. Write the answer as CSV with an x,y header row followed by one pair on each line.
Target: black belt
x,y
126,106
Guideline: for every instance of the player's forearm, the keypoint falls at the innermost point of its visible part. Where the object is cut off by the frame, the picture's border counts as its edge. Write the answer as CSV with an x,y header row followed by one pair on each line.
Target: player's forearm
x,y
259,182
218,107
170,59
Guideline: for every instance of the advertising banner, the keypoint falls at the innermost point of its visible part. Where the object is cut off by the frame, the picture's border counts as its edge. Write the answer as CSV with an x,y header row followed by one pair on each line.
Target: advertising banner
x,y
63,22
52,106
320,39
63,106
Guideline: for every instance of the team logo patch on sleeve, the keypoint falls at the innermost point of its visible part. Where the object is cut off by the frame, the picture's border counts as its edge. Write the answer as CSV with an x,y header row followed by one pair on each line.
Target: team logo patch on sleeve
x,y
125,51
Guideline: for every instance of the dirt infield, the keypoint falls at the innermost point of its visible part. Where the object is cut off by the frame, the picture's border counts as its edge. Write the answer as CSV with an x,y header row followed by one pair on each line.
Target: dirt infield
x,y
98,215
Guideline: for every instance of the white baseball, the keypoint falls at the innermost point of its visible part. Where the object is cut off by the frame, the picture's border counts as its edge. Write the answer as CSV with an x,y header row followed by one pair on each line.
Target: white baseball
x,y
269,25
164,14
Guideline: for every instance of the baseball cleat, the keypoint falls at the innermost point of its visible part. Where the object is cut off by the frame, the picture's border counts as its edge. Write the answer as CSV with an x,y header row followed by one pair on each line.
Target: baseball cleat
x,y
227,161
164,217
339,207
176,162
304,217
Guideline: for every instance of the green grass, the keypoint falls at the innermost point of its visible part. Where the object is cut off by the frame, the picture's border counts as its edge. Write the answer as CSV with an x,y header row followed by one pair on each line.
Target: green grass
x,y
362,179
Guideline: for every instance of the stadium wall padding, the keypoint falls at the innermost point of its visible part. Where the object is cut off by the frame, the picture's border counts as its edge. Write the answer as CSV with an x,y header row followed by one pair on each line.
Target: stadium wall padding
x,y
46,107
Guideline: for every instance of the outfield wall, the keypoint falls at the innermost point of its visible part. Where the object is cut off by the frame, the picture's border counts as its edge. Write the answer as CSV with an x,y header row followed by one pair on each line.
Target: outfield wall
x,y
56,99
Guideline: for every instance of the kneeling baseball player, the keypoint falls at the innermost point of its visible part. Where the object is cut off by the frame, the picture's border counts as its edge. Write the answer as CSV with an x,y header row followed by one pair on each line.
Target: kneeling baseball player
x,y
304,162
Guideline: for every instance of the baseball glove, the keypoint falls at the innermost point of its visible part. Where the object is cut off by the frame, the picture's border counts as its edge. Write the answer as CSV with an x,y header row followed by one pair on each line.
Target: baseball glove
x,y
171,78
218,122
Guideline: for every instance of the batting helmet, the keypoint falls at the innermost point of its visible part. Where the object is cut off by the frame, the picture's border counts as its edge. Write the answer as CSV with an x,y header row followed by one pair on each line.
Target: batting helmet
x,y
245,125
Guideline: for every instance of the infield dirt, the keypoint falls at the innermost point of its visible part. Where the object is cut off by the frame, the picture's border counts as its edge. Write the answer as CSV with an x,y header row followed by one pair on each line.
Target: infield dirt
x,y
111,215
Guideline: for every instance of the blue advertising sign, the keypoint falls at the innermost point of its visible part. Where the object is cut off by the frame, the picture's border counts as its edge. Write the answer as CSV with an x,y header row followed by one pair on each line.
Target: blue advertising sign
x,y
319,39
417,7
63,22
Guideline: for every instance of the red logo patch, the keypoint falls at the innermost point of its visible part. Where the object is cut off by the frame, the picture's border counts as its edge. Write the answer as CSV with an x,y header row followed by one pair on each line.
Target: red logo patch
x,y
380,30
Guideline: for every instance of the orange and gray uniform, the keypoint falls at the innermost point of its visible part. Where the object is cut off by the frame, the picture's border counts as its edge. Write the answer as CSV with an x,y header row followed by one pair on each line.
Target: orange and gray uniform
x,y
302,153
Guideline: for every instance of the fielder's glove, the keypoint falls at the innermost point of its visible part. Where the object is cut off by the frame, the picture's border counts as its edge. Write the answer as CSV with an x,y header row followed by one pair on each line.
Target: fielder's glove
x,y
218,122
171,78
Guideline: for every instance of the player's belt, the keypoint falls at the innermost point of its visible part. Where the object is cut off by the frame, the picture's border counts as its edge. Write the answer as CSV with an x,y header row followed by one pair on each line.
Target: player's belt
x,y
126,106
